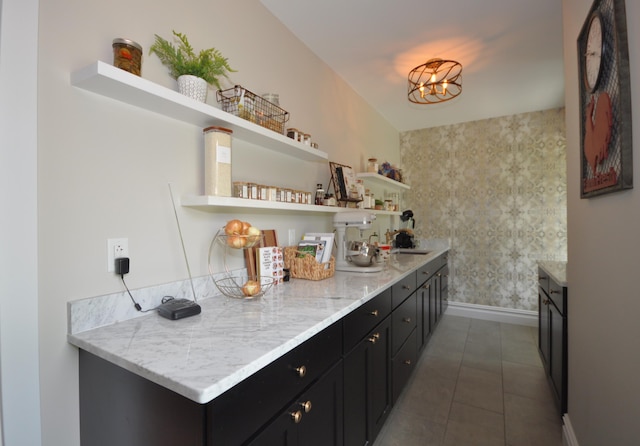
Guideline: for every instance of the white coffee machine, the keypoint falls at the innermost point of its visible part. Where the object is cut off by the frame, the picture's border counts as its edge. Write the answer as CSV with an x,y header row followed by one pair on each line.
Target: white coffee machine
x,y
360,220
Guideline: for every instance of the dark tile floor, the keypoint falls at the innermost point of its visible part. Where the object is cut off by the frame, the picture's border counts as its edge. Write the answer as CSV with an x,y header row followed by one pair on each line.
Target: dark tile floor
x,y
477,383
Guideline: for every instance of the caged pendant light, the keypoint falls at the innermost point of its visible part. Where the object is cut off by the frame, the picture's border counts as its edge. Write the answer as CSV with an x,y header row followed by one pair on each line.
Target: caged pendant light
x,y
435,81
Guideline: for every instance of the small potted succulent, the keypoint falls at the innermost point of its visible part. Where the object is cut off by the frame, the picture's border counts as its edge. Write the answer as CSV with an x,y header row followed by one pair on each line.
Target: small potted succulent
x,y
192,71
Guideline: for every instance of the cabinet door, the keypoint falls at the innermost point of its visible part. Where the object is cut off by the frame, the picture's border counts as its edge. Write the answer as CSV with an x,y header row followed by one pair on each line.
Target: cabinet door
x,y
424,312
435,283
403,365
323,423
367,392
557,363
543,328
444,288
432,305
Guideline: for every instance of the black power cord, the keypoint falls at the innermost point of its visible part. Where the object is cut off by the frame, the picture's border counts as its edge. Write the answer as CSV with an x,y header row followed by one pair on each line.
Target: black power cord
x,y
122,268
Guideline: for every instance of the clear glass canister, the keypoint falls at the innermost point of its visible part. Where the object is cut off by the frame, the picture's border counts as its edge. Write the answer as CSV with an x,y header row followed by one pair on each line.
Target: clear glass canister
x,y
372,165
217,161
127,55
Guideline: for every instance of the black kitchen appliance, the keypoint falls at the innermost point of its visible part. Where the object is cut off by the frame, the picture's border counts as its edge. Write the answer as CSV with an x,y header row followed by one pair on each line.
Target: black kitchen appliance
x,y
404,238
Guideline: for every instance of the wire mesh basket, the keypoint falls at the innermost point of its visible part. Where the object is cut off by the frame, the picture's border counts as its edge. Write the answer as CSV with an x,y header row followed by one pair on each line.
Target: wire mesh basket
x,y
247,105
244,287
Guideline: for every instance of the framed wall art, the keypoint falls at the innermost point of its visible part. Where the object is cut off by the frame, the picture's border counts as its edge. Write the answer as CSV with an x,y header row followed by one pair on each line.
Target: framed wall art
x,y
605,101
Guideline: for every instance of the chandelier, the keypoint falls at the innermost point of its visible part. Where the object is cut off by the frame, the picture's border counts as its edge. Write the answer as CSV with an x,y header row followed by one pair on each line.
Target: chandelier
x,y
435,81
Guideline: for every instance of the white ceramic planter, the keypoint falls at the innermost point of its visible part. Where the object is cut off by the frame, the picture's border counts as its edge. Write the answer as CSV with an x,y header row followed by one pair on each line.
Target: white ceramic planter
x,y
193,87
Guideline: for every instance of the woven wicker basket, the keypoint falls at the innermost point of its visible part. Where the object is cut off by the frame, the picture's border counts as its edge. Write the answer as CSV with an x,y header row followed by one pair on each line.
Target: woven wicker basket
x,y
306,267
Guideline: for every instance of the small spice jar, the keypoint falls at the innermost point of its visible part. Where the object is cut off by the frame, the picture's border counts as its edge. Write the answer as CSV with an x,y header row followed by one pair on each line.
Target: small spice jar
x,y
127,55
372,165
217,161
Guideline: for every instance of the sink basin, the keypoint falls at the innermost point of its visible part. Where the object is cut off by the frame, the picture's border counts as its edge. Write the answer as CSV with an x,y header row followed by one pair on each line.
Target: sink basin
x,y
413,251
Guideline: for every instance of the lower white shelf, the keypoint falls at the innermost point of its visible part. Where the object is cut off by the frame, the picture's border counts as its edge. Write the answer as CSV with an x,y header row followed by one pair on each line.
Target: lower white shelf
x,y
211,203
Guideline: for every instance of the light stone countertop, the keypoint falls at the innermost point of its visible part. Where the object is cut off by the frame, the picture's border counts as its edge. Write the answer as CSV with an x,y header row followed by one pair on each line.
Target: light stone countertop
x,y
202,356
557,271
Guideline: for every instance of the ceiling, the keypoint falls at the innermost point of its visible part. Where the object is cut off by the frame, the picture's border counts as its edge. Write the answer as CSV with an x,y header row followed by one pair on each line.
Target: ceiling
x,y
510,50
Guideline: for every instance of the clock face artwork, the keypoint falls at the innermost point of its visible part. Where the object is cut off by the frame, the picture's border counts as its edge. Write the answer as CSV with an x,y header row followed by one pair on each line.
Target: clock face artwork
x,y
593,55
604,100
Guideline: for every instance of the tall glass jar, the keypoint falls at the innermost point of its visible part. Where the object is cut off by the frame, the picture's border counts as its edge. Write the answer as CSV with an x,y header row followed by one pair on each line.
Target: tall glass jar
x,y
217,161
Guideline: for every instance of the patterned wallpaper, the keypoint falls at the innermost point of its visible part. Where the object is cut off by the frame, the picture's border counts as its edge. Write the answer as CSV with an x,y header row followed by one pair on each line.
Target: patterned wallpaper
x,y
497,190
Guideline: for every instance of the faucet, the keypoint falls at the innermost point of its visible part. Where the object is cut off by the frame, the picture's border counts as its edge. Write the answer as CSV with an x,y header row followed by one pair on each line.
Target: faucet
x,y
389,235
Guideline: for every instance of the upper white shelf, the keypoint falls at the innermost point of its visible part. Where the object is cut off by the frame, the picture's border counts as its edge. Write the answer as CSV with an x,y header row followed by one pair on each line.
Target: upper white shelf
x,y
211,203
109,81
381,180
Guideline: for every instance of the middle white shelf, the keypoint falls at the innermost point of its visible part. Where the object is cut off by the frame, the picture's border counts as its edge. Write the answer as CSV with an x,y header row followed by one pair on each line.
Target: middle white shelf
x,y
212,203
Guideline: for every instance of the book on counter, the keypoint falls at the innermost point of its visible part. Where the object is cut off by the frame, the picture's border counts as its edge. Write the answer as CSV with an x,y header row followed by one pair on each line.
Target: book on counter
x,y
270,264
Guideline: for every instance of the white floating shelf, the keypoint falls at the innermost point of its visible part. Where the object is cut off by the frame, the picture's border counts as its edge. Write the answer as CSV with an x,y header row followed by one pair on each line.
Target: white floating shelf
x,y
109,81
381,180
212,203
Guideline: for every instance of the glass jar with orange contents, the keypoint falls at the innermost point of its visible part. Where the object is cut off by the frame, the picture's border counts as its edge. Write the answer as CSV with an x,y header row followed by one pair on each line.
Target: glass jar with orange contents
x,y
127,55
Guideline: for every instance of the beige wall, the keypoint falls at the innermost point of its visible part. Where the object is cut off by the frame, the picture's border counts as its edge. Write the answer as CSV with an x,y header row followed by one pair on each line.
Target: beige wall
x,y
103,167
497,190
604,304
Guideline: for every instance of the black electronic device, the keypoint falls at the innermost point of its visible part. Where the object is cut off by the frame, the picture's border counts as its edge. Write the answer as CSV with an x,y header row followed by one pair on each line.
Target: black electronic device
x,y
178,308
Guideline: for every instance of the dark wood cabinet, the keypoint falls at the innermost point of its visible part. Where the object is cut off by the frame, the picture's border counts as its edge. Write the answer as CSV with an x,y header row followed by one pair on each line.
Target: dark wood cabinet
x,y
367,381
315,418
335,389
552,335
433,296
405,346
242,410
404,362
443,274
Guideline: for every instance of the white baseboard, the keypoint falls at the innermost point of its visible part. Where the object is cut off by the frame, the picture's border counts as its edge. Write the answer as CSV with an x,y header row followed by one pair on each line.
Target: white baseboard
x,y
496,314
568,436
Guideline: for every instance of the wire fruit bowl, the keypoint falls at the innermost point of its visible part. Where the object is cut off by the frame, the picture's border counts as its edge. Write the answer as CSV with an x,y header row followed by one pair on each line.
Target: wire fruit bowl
x,y
244,287
240,241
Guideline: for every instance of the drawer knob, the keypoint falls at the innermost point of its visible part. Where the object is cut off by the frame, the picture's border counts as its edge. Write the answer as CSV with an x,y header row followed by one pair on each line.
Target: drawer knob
x,y
301,371
426,286
545,301
374,313
542,278
374,338
426,273
406,287
554,292
306,406
296,416
407,320
407,361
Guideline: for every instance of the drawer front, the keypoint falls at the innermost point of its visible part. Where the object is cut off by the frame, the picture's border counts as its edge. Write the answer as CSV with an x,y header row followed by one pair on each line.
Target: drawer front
x,y
426,271
403,322
245,408
403,289
403,365
557,294
362,320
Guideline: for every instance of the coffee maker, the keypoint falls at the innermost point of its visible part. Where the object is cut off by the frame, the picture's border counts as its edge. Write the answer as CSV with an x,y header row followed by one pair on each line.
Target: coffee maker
x,y
404,237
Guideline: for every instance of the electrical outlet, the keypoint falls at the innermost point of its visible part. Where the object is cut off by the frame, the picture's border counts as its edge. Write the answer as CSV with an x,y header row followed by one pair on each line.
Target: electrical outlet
x,y
292,237
116,247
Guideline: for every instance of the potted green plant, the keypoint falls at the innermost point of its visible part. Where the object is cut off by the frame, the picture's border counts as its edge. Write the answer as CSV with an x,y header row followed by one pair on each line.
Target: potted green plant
x,y
192,71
